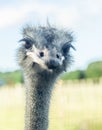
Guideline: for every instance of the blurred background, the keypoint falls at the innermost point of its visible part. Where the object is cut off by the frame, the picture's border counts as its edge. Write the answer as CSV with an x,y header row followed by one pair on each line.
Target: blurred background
x,y
77,98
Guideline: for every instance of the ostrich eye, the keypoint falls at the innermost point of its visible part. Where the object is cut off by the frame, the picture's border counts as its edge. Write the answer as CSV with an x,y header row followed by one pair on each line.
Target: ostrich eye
x,y
57,55
27,42
28,45
41,54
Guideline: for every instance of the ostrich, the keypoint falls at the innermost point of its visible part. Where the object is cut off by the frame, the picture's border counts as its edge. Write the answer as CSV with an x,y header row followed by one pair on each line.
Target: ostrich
x,y
44,53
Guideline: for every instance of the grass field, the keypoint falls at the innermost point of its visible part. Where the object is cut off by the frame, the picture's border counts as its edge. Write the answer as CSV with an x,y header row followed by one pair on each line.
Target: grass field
x,y
74,106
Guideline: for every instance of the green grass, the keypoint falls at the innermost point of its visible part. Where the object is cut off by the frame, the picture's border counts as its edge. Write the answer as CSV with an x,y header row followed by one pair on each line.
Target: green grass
x,y
75,106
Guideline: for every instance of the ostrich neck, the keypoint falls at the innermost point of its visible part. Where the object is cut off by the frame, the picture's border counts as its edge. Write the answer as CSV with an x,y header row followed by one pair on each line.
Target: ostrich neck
x,y
38,93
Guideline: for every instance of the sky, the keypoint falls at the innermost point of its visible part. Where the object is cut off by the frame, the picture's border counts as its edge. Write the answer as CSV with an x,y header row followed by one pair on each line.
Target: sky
x,y
84,18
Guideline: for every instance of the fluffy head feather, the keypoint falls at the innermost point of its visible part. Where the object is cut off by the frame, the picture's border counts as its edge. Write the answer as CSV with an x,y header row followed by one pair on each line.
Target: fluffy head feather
x,y
45,49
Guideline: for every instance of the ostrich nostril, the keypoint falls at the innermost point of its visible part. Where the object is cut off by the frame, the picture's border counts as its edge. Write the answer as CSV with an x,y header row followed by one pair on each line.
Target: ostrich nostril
x,y
52,64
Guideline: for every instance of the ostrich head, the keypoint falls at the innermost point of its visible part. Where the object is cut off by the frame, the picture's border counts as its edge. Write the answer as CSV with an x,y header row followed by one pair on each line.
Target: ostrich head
x,y
45,49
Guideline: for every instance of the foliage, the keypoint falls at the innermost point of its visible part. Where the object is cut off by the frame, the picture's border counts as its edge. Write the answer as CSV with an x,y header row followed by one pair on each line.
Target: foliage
x,y
78,74
94,70
11,77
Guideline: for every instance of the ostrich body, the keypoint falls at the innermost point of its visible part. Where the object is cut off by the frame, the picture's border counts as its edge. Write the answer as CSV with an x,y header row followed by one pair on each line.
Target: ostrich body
x,y
43,56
